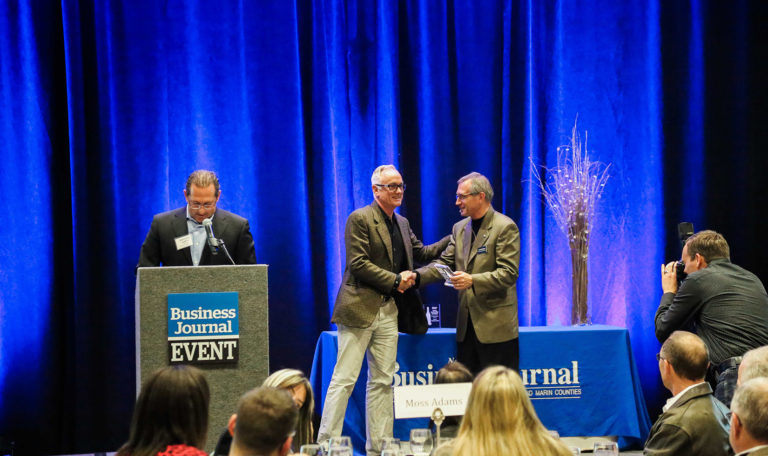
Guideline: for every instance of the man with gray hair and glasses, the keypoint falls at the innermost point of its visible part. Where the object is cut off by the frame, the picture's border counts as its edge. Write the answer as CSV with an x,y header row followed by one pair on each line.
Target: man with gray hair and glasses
x,y
375,300
749,418
484,253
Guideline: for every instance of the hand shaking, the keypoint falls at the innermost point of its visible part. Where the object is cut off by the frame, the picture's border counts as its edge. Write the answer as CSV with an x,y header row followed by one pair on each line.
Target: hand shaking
x,y
407,280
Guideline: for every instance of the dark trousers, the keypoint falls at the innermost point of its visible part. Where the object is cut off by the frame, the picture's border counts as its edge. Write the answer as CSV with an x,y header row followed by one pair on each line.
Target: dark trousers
x,y
723,378
477,355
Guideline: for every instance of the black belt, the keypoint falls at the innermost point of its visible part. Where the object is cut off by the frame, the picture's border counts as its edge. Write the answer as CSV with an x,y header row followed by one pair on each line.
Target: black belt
x,y
728,363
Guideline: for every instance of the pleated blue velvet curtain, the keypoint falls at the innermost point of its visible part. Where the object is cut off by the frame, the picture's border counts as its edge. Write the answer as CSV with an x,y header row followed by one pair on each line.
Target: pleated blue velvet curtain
x,y
108,106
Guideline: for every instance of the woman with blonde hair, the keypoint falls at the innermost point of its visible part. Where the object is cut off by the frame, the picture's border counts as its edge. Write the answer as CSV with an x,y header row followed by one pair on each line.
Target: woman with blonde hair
x,y
500,420
293,381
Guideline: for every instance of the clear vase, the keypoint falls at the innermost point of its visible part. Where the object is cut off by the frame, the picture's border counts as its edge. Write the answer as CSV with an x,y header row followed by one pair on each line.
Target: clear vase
x,y
580,281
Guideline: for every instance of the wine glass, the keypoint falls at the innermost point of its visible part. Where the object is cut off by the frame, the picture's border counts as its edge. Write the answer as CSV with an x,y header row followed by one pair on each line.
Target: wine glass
x,y
575,450
421,441
606,449
311,449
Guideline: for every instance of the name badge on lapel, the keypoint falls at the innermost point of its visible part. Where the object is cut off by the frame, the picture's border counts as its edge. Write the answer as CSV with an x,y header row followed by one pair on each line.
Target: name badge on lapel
x,y
182,242
482,250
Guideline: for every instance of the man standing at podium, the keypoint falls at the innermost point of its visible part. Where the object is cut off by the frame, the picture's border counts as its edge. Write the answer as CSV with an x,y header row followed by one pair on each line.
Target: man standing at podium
x,y
374,300
178,237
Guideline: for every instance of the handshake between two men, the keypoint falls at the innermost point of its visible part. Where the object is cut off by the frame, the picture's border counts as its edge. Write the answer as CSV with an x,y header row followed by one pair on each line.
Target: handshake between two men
x,y
459,279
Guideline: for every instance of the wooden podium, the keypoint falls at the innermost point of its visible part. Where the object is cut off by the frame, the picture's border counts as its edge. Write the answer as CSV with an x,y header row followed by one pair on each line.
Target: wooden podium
x,y
227,381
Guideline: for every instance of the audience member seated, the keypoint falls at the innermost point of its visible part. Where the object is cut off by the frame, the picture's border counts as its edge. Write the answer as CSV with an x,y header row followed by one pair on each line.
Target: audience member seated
x,y
754,364
298,386
171,414
693,423
453,372
264,423
749,418
500,420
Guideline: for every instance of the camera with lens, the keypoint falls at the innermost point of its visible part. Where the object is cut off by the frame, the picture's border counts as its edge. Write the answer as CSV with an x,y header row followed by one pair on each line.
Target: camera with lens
x,y
680,271
684,231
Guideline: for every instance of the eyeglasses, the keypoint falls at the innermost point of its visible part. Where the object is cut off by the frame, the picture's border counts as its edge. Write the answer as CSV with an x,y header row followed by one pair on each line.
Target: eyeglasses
x,y
463,196
659,357
197,206
391,187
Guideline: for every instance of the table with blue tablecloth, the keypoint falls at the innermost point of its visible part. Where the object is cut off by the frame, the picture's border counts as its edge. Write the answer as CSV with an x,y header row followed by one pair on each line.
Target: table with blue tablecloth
x,y
582,380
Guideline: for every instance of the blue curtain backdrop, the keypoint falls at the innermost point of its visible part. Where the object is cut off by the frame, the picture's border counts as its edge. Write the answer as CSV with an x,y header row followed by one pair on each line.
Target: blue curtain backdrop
x,y
108,106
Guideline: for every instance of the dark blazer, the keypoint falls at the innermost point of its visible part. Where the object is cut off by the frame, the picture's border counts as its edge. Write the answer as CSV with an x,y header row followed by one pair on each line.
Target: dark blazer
x,y
696,425
159,247
492,299
368,277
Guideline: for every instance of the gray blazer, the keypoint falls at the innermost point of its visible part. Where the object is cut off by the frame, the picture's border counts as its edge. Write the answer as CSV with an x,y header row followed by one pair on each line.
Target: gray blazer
x,y
368,277
493,262
696,425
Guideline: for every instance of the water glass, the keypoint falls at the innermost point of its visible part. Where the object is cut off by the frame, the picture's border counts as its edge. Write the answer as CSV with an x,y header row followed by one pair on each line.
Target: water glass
x,y
340,451
390,443
390,452
575,450
606,449
554,434
311,449
421,441
341,441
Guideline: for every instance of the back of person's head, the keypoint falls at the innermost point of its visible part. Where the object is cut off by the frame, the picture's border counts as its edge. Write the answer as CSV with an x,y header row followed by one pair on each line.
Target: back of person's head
x,y
687,355
754,364
453,372
750,405
709,244
500,419
266,419
292,380
172,409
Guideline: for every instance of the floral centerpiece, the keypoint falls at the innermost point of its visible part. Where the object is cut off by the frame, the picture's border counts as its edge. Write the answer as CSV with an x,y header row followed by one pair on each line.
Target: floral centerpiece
x,y
571,190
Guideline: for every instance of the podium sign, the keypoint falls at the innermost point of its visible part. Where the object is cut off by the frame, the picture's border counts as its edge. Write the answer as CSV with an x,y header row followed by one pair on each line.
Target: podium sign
x,y
203,328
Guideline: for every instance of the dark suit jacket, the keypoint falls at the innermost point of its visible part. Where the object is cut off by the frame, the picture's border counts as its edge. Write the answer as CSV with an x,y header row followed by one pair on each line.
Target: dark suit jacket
x,y
696,425
368,277
159,246
492,299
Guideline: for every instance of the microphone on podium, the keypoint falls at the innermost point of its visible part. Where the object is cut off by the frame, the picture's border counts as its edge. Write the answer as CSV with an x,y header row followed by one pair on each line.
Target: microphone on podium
x,y
213,243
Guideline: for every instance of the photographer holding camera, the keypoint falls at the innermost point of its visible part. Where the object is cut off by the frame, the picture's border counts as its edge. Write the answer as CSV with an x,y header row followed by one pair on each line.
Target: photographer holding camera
x,y
726,305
